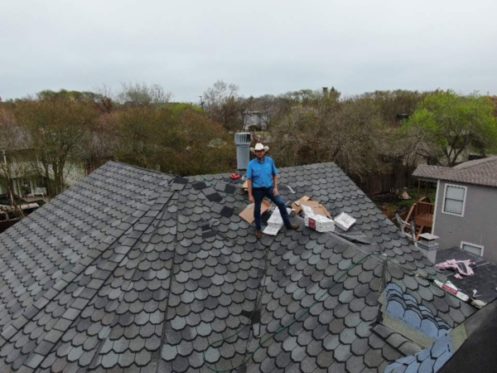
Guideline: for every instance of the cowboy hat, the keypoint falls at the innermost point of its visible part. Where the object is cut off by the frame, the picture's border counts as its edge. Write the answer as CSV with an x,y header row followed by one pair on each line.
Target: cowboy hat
x,y
259,146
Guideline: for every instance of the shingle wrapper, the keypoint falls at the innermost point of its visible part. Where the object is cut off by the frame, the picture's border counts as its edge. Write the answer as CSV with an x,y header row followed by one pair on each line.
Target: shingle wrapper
x,y
132,269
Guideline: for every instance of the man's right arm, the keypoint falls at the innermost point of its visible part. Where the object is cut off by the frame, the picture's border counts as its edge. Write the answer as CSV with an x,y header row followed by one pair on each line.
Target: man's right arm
x,y
249,189
249,183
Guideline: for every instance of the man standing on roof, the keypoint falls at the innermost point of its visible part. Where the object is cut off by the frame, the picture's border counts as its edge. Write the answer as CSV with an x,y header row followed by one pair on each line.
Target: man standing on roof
x,y
262,180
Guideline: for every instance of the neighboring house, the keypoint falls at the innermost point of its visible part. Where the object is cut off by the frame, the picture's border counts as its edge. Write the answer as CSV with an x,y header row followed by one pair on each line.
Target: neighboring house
x,y
255,120
18,167
24,173
466,205
135,270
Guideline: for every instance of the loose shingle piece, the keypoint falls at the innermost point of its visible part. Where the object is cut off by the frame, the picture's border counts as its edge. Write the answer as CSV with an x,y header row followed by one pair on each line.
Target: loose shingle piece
x,y
135,270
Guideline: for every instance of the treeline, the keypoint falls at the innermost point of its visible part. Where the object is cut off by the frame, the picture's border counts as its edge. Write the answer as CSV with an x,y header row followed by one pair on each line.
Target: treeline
x,y
139,126
371,134
374,135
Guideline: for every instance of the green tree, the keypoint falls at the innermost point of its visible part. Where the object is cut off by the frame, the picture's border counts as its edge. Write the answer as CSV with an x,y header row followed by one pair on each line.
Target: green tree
x,y
450,125
58,126
175,138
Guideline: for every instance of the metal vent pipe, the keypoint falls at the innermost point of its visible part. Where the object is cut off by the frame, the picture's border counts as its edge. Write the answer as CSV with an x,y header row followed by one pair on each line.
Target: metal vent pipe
x,y
242,142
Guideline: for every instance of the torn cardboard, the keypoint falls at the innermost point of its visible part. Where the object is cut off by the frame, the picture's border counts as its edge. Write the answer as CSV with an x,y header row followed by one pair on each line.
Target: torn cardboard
x,y
248,213
316,207
297,205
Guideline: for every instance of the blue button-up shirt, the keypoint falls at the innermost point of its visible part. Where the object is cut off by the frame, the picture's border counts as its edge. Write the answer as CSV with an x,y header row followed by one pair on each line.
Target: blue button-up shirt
x,y
262,172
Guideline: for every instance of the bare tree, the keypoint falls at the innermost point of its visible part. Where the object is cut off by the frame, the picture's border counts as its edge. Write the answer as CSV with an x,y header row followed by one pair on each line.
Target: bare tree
x,y
142,94
13,140
223,105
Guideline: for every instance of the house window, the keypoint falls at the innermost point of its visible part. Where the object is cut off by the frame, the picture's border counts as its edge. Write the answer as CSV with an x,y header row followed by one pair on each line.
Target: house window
x,y
454,199
472,248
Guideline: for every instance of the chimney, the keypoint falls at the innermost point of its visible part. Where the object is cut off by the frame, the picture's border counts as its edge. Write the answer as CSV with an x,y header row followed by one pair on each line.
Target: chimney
x,y
325,91
242,142
428,245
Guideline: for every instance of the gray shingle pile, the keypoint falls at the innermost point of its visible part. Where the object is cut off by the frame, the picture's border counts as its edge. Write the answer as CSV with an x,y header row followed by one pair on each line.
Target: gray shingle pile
x,y
135,270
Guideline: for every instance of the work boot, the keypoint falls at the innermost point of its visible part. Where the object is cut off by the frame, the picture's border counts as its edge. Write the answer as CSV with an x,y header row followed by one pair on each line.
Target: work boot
x,y
293,227
258,234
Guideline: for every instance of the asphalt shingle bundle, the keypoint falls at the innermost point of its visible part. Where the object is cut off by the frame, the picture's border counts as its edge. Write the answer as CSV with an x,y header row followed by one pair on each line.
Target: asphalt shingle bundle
x,y
136,270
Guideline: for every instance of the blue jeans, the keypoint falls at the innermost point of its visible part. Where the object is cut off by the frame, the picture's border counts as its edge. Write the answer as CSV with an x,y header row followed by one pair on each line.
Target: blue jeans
x,y
259,194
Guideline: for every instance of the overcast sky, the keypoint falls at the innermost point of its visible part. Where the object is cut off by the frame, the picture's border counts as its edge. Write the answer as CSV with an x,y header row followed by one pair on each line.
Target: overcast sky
x,y
264,47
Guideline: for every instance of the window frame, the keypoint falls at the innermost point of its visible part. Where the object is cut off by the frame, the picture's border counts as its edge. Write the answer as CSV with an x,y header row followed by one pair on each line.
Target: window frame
x,y
465,188
472,244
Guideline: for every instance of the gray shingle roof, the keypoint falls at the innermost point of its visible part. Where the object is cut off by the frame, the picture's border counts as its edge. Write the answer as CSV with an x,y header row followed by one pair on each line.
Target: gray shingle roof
x,y
132,269
479,171
483,280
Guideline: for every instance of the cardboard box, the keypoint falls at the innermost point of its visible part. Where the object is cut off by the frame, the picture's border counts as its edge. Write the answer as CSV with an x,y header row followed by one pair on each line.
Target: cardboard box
x,y
317,208
297,205
248,213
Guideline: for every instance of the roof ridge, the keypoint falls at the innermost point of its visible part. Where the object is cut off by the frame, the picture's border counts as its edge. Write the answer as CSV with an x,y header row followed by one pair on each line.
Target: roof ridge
x,y
227,173
475,162
171,277
149,170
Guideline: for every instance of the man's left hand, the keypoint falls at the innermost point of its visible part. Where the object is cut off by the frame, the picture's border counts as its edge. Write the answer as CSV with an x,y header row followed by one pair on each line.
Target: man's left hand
x,y
276,192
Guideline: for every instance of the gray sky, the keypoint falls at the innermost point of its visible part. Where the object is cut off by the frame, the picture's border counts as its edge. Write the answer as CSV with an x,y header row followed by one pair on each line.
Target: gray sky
x,y
264,47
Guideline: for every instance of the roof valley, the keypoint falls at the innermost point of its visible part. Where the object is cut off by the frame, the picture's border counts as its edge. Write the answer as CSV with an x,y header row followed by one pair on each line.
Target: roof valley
x,y
159,210
62,283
